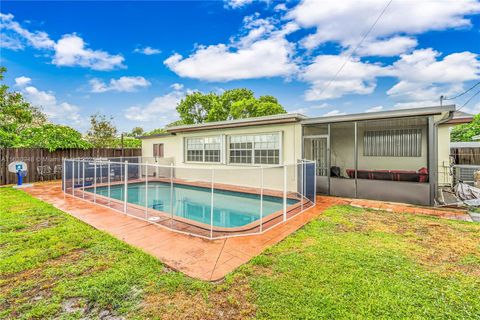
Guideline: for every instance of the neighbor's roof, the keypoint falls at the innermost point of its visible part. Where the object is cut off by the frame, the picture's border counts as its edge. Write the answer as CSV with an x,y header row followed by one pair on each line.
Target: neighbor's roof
x,y
461,117
382,114
275,119
464,144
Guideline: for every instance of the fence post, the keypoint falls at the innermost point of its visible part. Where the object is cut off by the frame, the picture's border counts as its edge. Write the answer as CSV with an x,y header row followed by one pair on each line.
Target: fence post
x,y
171,193
125,188
261,199
146,190
302,189
83,179
73,177
284,192
108,181
211,207
94,180
64,182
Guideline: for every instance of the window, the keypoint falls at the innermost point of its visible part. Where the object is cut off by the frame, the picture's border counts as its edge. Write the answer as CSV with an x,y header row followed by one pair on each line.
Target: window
x,y
393,143
203,149
255,149
158,150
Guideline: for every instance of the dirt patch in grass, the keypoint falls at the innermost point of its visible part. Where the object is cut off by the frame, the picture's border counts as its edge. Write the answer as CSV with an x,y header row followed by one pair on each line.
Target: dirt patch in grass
x,y
232,300
33,284
439,244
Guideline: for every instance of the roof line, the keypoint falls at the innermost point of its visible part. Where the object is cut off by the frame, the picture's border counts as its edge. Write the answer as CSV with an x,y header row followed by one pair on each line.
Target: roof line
x,y
382,114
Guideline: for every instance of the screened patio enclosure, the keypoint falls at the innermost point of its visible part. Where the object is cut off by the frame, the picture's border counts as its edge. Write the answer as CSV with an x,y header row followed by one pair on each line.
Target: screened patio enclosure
x,y
381,159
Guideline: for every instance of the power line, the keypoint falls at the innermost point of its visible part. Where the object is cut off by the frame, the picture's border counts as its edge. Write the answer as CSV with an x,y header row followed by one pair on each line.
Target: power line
x,y
357,46
464,92
470,99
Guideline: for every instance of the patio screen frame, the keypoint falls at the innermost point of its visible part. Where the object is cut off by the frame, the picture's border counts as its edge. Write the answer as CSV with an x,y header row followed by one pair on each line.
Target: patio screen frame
x,y
410,196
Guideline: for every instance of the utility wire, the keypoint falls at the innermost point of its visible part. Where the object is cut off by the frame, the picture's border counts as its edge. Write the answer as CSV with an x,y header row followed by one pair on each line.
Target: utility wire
x,y
357,46
470,99
464,92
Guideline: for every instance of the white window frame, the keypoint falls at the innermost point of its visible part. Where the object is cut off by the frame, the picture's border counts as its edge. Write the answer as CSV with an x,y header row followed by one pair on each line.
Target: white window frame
x,y
222,149
252,162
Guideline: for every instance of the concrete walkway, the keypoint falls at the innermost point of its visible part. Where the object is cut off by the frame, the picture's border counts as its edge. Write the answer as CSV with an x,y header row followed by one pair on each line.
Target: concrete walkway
x,y
208,260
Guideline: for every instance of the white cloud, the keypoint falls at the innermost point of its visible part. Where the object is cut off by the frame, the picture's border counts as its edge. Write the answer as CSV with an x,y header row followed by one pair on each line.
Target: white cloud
x,y
374,109
147,51
334,113
387,48
9,42
177,86
70,51
161,109
37,39
346,22
235,4
122,84
22,81
60,112
357,77
424,77
262,52
280,7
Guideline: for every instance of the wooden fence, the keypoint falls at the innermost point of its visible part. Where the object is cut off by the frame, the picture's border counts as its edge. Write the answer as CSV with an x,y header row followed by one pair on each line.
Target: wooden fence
x,y
36,157
466,155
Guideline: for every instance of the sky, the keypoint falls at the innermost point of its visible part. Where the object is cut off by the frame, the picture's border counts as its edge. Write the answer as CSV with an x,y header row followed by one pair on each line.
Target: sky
x,y
135,61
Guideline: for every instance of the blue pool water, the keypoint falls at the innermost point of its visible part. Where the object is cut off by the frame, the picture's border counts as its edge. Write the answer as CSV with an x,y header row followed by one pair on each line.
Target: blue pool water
x,y
231,209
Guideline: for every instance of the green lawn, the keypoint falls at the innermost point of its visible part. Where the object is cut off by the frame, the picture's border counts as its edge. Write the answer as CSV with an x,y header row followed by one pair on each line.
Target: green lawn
x,y
349,263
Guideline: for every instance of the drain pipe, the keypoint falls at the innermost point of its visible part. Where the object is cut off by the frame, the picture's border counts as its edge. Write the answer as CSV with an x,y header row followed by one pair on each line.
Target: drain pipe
x,y
435,144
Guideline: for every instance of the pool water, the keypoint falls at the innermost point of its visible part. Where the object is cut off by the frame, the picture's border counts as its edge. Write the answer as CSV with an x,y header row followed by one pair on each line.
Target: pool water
x,y
231,209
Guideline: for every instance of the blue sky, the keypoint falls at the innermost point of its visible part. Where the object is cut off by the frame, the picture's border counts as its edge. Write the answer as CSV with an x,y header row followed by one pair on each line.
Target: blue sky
x,y
135,60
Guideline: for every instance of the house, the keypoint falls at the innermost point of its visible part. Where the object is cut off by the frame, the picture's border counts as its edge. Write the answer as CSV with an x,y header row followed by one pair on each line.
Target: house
x,y
399,155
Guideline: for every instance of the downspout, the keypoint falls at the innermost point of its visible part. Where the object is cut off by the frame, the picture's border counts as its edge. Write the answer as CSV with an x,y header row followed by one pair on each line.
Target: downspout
x,y
435,144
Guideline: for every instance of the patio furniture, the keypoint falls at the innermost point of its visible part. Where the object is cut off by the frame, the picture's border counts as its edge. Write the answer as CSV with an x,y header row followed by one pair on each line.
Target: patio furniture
x,y
44,171
391,175
57,171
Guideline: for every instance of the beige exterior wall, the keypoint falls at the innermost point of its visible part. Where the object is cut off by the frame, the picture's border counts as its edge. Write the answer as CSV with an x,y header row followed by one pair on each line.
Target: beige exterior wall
x,y
242,175
444,177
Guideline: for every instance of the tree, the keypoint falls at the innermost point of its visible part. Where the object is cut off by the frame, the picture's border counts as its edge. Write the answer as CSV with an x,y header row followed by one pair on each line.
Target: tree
x,y
16,115
231,104
136,132
102,132
221,111
465,132
194,108
52,137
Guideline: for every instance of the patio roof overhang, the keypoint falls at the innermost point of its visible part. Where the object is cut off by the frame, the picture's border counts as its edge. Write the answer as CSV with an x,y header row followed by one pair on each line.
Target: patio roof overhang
x,y
401,113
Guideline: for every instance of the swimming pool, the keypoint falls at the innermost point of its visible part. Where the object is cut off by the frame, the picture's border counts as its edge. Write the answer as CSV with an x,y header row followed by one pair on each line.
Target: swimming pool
x,y
231,209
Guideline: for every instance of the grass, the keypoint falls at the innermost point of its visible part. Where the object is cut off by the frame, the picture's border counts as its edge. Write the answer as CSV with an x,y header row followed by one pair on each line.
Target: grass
x,y
349,263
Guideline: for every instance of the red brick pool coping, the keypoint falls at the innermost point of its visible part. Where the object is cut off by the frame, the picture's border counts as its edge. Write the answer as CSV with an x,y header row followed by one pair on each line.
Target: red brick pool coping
x,y
208,260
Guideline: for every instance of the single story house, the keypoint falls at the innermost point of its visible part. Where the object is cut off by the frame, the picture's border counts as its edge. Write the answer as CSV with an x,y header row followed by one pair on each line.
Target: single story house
x,y
398,155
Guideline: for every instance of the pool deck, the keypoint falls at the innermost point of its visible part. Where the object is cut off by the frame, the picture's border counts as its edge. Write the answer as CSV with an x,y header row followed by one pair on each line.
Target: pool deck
x,y
208,260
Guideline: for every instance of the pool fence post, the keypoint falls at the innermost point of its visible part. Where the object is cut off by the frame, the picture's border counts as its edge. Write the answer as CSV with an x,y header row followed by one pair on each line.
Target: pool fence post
x,y
261,199
83,178
64,186
284,192
108,180
94,180
302,189
315,183
125,188
146,190
172,206
73,177
101,171
211,207
78,172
